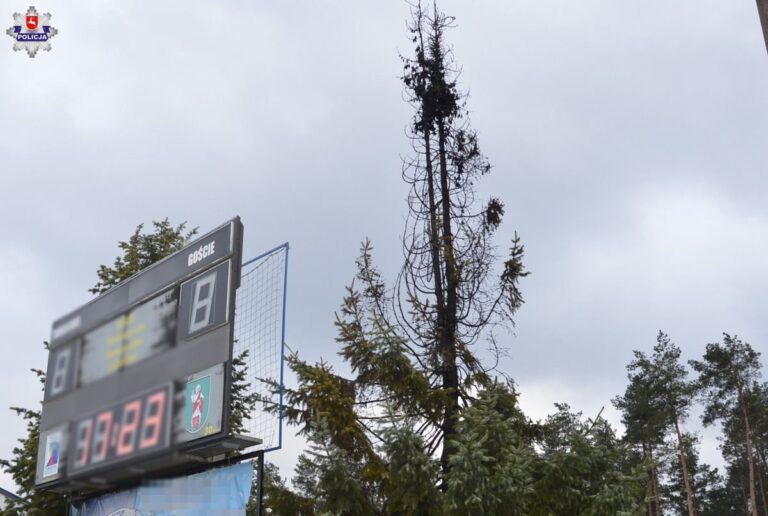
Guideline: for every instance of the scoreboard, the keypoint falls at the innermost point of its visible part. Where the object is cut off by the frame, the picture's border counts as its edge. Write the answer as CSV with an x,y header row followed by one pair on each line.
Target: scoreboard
x,y
138,380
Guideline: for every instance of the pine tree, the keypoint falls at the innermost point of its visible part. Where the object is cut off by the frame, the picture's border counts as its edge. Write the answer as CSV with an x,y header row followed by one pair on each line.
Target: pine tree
x,y
658,399
705,482
676,395
728,375
644,422
758,410
733,446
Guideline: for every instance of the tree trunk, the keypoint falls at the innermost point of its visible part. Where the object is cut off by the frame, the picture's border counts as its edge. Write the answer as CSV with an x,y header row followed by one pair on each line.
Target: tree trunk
x,y
655,481
762,11
684,464
649,491
762,487
434,237
649,495
761,469
744,498
656,495
448,336
442,327
750,456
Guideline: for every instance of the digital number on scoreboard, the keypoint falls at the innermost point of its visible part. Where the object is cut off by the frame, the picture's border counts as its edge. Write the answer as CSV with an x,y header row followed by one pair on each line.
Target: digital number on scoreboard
x,y
137,426
141,371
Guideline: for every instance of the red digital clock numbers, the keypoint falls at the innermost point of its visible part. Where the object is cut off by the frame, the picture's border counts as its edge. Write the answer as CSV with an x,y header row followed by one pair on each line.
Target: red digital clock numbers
x,y
134,427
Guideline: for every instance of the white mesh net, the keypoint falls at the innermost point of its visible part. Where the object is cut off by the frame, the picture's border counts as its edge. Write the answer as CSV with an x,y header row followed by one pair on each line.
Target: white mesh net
x,y
259,330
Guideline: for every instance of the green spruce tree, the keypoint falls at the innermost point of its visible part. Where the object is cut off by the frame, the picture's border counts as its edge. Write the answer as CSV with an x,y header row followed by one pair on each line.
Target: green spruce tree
x,y
142,250
492,470
586,469
409,483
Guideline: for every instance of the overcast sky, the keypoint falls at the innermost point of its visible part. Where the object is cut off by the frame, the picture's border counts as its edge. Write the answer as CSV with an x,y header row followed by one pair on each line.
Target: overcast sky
x,y
627,139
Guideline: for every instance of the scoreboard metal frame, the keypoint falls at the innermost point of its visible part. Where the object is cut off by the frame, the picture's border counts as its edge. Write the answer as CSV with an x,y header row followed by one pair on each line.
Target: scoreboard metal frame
x,y
138,379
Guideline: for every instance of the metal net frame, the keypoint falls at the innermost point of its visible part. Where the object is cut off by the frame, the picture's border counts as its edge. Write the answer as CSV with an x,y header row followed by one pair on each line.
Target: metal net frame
x,y
260,330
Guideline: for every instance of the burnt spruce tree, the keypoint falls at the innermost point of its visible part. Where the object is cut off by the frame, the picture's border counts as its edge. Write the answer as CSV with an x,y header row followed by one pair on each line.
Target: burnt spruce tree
x,y
447,296
412,347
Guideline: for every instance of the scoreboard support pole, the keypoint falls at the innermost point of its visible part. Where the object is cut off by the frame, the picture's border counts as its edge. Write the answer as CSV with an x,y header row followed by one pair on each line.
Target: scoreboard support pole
x,y
260,486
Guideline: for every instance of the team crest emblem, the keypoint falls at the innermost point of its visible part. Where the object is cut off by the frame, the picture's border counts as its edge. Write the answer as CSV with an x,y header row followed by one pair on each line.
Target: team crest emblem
x,y
196,404
32,32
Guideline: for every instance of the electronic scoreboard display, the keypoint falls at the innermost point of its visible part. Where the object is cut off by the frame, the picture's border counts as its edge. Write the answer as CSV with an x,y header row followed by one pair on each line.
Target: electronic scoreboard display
x,y
138,379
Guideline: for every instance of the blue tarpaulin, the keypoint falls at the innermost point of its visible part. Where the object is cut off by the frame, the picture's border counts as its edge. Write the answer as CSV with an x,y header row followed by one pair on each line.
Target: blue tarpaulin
x,y
223,491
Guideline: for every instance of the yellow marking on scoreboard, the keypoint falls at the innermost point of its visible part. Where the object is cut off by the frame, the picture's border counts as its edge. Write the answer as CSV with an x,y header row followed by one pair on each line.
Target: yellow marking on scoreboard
x,y
122,344
126,333
135,343
124,361
124,320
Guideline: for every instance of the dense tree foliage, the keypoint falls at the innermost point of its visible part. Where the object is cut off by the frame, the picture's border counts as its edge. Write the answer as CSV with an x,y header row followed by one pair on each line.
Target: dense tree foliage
x,y
142,250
